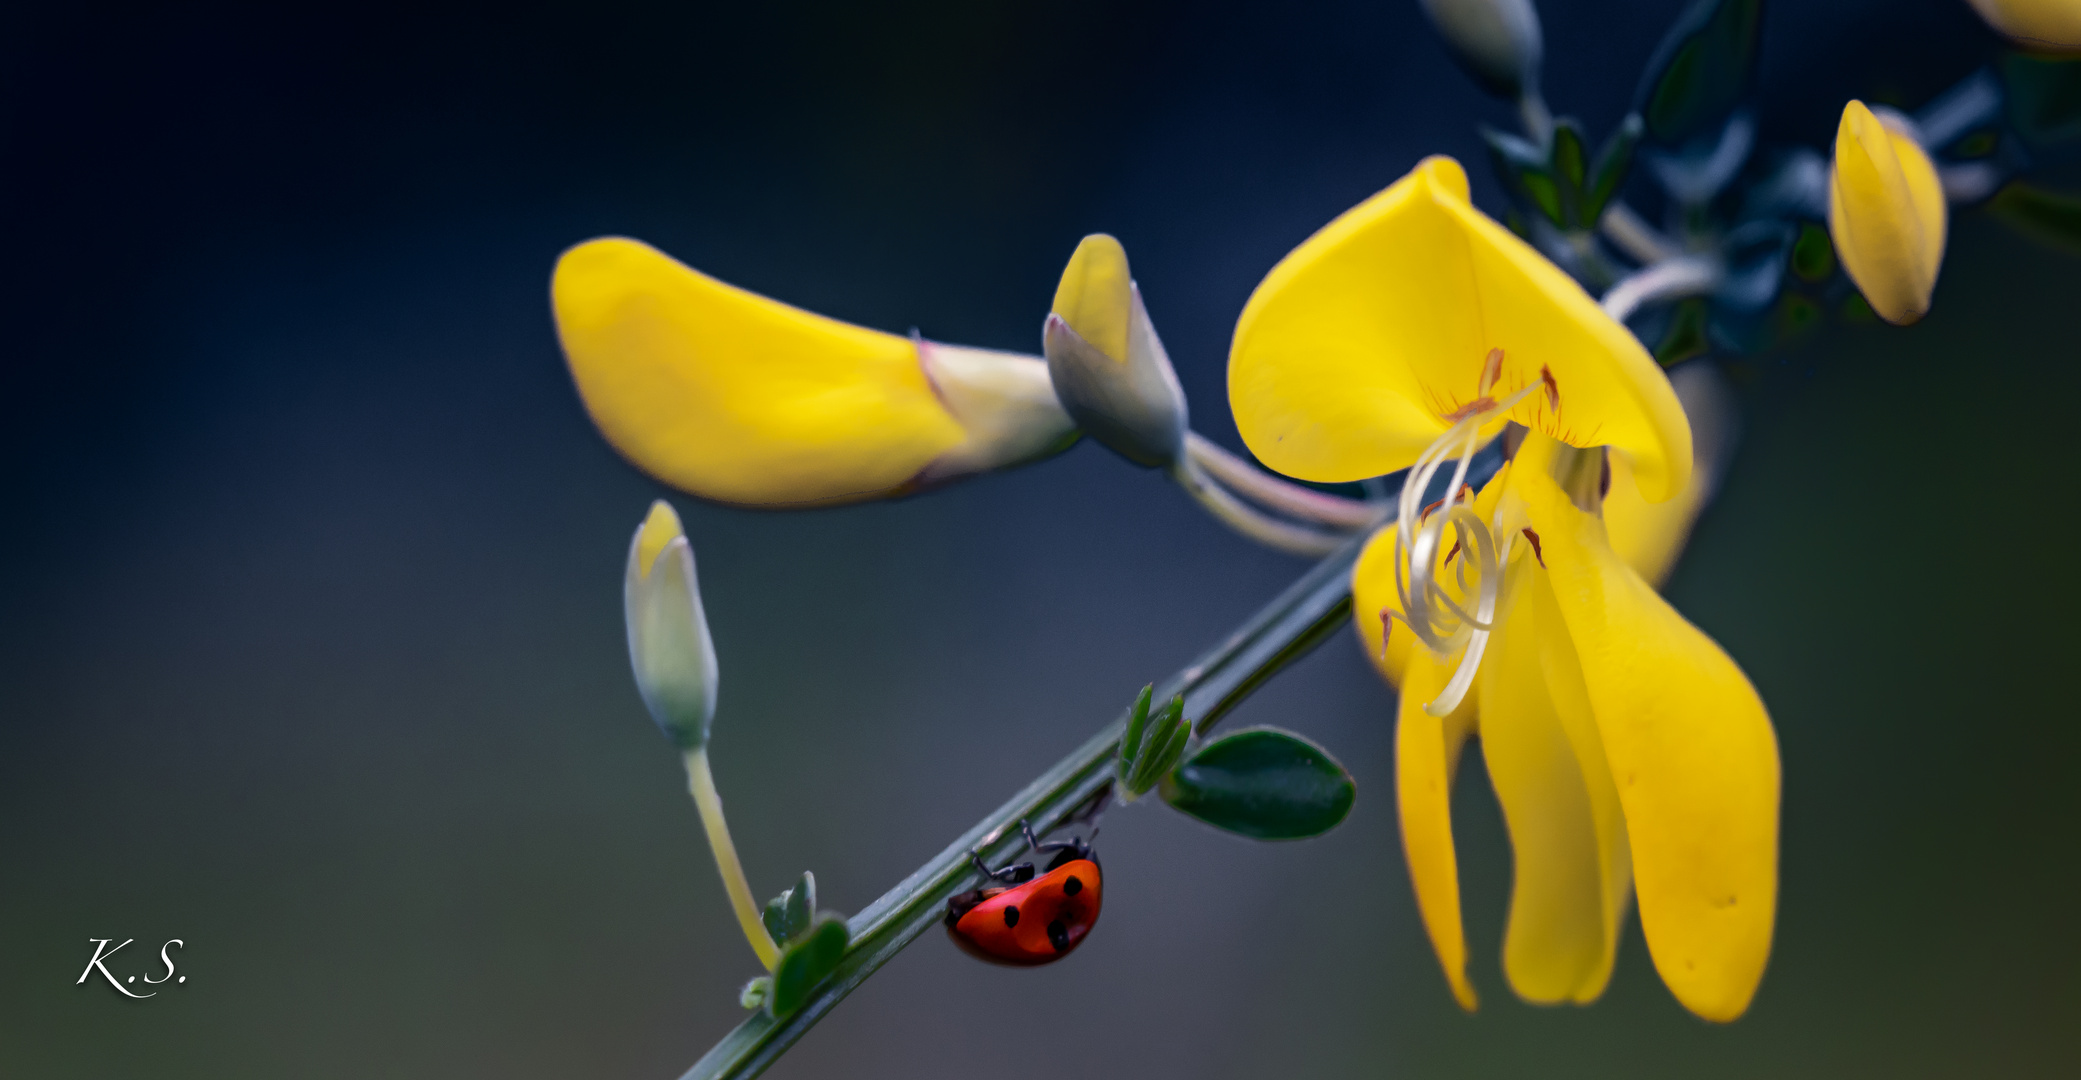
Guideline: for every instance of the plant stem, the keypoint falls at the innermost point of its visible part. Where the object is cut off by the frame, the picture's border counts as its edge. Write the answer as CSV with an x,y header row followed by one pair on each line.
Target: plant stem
x,y
1309,612
702,783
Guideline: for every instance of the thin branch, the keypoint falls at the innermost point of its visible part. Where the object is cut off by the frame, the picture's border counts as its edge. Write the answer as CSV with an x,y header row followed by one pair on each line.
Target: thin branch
x,y
1634,236
1309,612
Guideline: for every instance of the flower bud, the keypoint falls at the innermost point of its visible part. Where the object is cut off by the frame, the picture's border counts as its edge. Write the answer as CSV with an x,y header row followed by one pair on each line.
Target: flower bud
x,y
1496,41
2047,25
1108,366
669,647
734,397
1886,212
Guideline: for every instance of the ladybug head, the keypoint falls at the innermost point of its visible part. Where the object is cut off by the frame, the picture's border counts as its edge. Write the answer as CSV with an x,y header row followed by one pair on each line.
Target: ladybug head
x,y
1072,850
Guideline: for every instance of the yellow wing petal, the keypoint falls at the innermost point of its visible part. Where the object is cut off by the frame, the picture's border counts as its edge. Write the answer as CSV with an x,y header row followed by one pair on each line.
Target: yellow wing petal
x,y
1568,835
1887,214
1427,751
1690,748
1354,349
2050,25
735,397
1650,536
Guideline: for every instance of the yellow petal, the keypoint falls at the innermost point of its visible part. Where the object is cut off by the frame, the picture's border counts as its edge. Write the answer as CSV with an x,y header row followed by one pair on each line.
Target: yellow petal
x,y
1573,870
1690,748
1886,212
1650,536
738,398
2052,25
1096,294
1354,349
1427,751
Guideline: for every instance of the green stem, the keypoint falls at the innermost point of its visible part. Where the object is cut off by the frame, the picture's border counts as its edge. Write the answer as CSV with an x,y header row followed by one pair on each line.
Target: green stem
x,y
701,782
1309,612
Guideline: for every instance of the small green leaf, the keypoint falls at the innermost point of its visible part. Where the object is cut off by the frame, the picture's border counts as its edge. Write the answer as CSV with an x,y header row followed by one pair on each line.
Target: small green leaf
x,y
1701,70
805,962
1523,167
1686,336
1614,159
1131,743
1813,256
788,916
1161,747
1263,783
2042,215
756,992
1570,171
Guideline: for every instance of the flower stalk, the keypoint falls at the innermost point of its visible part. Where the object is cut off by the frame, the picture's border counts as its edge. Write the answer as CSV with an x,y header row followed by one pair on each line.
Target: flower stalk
x,y
701,783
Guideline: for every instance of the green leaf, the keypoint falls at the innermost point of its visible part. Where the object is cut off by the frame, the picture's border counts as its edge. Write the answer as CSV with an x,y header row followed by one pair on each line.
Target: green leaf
x,y
2044,97
804,963
788,916
1137,718
2046,216
1523,168
1813,256
1263,783
1160,750
1570,170
1702,69
1614,160
1686,335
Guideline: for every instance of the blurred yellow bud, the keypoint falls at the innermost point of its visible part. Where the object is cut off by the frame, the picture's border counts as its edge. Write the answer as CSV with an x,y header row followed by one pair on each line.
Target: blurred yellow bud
x,y
734,397
1886,211
1108,366
669,646
2051,25
1496,41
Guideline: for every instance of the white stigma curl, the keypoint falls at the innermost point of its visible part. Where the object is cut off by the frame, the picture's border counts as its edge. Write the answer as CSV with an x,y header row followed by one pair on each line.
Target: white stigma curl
x,y
1440,622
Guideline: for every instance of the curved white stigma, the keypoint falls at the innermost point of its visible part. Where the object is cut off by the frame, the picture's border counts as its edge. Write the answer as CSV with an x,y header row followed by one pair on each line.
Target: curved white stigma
x,y
1442,623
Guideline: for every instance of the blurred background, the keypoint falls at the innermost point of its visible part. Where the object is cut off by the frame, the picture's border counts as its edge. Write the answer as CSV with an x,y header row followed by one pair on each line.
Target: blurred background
x,y
311,648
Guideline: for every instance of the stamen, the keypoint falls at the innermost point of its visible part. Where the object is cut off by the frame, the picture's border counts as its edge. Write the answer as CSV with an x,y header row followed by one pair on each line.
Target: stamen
x,y
1537,551
1442,619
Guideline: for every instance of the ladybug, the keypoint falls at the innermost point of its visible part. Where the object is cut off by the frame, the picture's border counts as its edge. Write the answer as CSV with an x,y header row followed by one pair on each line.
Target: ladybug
x,y
1021,920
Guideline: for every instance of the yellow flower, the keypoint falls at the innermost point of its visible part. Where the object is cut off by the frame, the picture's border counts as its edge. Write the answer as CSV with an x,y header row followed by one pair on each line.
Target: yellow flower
x,y
741,399
1886,211
1628,750
2051,25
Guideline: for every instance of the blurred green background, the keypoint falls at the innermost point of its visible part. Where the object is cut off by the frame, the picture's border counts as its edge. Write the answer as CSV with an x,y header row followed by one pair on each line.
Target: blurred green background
x,y
310,641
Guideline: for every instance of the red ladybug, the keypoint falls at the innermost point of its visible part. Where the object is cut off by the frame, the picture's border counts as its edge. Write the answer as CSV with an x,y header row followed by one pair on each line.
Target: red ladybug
x,y
1029,920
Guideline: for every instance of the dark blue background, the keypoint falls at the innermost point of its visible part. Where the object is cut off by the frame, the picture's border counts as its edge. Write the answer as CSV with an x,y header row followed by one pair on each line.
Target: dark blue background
x,y
310,642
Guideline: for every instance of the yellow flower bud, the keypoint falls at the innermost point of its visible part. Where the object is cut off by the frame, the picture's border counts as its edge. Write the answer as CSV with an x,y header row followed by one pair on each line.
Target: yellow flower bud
x,y
1108,366
2049,25
741,399
1886,211
669,646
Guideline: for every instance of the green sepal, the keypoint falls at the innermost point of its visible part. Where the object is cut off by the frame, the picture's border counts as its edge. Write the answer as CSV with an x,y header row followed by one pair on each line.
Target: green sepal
x,y
1263,783
805,962
1614,160
789,915
1701,70
2047,216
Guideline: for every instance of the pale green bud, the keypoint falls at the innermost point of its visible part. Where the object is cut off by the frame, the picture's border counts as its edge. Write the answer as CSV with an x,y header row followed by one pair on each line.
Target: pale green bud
x,y
669,647
1496,41
1109,368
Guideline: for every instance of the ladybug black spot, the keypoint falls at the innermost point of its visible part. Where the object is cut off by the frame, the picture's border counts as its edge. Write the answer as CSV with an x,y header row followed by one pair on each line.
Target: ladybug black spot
x,y
1072,887
1058,935
1011,916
